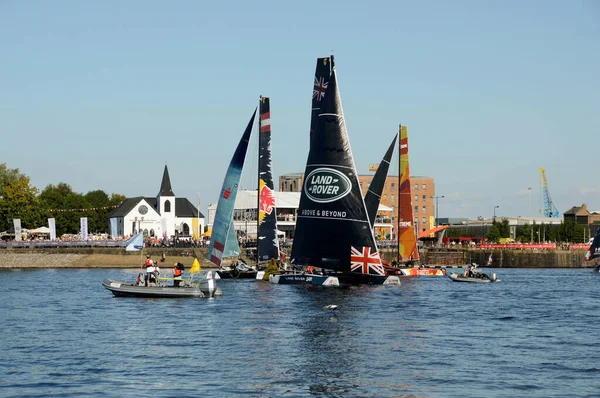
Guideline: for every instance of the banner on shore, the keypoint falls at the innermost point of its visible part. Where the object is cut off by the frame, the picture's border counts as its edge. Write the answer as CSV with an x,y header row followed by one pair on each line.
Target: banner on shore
x,y
18,230
195,228
113,228
52,226
518,246
84,228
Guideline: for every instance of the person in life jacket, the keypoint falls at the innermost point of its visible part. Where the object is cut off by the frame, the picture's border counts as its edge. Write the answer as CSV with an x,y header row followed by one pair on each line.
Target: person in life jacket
x,y
150,268
177,274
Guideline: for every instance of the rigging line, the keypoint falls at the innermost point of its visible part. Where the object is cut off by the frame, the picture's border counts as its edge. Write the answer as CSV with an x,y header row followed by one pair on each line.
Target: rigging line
x,y
336,219
329,165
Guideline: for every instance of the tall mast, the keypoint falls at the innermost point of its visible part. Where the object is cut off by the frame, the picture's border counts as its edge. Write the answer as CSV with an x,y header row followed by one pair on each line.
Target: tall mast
x,y
260,99
398,195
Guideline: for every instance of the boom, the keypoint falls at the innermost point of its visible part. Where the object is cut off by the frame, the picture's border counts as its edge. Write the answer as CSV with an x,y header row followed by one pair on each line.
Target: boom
x,y
549,209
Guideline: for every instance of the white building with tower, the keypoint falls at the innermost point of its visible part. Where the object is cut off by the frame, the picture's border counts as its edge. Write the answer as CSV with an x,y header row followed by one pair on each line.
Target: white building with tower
x,y
164,215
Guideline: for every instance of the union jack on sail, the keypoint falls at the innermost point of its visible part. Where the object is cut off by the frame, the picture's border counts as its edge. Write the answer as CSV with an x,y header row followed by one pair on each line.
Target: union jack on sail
x,y
364,261
319,89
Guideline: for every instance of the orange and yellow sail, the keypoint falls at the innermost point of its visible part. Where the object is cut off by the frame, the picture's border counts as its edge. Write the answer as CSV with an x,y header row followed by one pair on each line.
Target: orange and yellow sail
x,y
407,242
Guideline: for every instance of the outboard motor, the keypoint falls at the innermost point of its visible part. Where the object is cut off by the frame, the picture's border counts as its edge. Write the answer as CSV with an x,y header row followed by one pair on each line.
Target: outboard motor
x,y
493,277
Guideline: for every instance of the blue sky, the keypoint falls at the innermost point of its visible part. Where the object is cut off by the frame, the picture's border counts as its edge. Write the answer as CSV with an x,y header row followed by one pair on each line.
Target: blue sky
x,y
101,95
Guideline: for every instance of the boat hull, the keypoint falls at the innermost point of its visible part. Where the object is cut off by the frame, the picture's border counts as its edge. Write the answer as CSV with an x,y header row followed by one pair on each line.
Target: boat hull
x,y
304,279
203,289
234,274
420,271
481,279
368,279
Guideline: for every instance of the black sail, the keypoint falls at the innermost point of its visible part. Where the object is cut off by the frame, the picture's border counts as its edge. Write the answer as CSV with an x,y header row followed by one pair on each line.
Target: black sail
x,y
332,229
373,196
322,74
268,245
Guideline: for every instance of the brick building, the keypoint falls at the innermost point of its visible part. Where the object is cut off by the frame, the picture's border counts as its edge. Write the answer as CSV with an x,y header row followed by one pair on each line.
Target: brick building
x,y
422,191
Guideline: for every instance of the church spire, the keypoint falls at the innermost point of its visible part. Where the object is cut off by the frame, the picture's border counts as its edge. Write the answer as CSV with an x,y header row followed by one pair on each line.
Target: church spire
x,y
165,186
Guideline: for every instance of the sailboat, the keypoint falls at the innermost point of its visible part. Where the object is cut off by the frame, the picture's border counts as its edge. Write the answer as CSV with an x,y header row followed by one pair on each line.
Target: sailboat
x,y
333,232
223,242
267,243
594,251
408,251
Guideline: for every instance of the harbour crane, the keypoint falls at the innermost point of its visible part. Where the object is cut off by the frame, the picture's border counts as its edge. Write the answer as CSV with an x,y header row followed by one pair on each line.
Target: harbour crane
x,y
549,209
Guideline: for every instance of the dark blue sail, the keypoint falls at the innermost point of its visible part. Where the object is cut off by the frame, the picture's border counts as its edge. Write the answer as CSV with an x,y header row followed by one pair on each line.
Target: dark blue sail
x,y
333,231
373,196
268,244
224,214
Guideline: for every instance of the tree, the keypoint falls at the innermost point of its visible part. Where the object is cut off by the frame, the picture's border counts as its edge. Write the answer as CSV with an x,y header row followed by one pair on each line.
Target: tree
x,y
18,199
63,204
494,234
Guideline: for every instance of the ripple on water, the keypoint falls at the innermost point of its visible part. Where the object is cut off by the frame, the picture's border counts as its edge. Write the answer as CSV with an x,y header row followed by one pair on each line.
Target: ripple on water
x,y
533,334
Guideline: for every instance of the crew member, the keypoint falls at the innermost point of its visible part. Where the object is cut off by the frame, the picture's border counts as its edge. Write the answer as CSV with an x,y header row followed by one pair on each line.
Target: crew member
x,y
177,274
149,270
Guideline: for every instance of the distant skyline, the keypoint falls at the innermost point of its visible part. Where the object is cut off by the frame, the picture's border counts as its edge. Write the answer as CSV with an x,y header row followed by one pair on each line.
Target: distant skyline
x,y
101,95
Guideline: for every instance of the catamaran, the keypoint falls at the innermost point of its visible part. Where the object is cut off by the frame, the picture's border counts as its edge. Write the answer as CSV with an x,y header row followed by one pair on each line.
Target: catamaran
x,y
408,251
267,241
333,232
223,242
594,251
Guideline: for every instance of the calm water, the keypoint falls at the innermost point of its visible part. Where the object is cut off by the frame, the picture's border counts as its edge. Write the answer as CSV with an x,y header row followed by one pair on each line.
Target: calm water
x,y
533,334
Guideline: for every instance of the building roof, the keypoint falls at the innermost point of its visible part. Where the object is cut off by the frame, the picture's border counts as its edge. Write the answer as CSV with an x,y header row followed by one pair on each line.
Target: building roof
x,y
183,207
246,199
578,211
165,186
126,206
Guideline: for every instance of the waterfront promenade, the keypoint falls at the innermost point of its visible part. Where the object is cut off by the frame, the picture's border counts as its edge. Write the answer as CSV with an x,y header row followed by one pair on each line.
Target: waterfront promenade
x,y
117,257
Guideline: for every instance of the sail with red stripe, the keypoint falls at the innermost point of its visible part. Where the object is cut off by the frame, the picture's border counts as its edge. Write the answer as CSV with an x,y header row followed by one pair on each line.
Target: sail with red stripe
x,y
223,234
268,244
407,238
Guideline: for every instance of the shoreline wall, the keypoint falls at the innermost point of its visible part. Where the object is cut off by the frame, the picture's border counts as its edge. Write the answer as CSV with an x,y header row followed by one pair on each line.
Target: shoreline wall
x,y
98,258
503,258
118,258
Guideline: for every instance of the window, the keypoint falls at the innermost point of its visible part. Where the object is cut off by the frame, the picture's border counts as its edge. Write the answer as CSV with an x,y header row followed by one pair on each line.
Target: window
x,y
168,206
360,186
424,220
416,198
416,187
393,198
393,185
416,209
424,187
384,198
424,198
424,209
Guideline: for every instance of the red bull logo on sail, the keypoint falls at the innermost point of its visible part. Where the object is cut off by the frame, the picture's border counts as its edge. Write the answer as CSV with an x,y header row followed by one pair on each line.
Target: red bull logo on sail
x,y
267,200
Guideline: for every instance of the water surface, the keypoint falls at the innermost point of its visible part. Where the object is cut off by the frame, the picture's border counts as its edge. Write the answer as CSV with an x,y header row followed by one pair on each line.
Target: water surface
x,y
533,334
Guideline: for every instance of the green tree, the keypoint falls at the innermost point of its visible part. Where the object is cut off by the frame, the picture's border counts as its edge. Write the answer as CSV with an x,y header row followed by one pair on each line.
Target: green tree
x,y
18,199
65,205
494,234
504,228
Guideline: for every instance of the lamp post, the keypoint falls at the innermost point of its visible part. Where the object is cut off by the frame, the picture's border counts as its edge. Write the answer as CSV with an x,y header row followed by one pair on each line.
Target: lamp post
x,y
529,189
436,208
494,219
